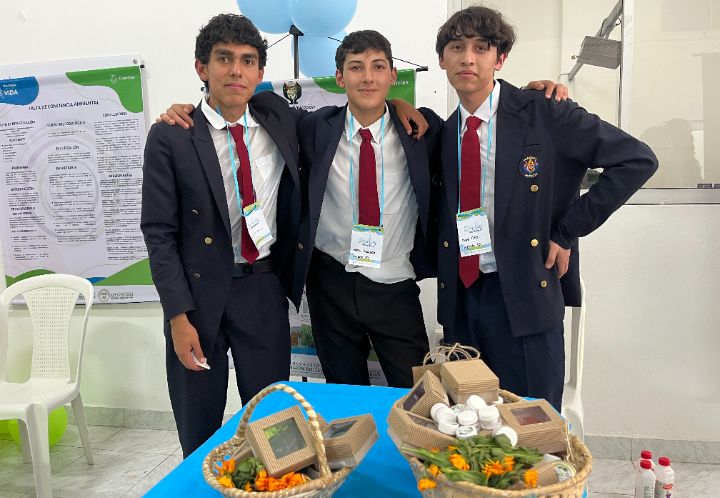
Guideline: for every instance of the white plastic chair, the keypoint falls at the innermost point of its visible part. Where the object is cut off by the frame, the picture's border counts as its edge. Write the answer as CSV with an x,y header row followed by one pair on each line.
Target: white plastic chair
x,y
50,300
572,407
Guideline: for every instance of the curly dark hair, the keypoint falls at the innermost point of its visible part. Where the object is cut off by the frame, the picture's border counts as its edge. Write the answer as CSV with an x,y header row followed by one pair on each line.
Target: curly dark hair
x,y
483,22
358,42
229,28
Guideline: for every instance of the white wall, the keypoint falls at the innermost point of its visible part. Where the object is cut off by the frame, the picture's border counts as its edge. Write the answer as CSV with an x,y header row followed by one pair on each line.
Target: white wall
x,y
651,271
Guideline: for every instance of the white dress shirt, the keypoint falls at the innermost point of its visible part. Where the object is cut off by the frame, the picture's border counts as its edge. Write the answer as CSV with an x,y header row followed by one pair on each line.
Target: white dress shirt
x,y
266,166
400,214
487,159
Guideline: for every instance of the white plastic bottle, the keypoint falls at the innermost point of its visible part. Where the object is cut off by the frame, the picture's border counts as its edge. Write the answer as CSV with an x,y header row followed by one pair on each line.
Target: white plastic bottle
x,y
645,455
645,481
665,479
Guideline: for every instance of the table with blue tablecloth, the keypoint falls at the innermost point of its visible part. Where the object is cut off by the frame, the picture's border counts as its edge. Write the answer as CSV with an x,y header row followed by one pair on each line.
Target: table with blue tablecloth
x,y
383,472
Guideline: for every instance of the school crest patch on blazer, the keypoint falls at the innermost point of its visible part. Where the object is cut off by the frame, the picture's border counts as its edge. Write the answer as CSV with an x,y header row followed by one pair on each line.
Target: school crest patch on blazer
x,y
530,167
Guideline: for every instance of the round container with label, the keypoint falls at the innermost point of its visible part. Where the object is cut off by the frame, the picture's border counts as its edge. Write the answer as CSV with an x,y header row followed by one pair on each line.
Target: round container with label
x,y
489,418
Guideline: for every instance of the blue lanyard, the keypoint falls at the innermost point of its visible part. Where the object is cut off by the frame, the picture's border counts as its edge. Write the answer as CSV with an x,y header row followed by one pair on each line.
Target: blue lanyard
x,y
382,166
487,155
234,153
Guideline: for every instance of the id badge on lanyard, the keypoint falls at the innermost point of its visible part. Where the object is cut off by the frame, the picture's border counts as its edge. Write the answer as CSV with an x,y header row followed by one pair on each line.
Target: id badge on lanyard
x,y
366,242
473,232
366,246
257,225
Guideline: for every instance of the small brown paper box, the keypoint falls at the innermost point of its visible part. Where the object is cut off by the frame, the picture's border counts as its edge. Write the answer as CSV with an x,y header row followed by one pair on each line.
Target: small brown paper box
x,y
464,378
424,394
282,441
347,440
537,425
407,429
419,370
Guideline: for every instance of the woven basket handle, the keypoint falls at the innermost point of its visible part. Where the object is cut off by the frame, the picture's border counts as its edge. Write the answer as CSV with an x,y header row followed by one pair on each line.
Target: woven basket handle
x,y
449,353
317,438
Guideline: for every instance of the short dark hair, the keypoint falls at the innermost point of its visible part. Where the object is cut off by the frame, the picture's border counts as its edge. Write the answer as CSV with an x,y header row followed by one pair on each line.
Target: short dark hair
x,y
482,22
358,42
229,28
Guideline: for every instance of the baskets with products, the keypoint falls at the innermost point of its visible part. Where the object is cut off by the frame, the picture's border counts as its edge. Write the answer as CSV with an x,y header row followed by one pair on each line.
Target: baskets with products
x,y
235,468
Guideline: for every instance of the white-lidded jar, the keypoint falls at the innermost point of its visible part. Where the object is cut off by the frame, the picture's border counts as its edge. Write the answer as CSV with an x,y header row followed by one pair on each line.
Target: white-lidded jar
x,y
458,408
511,434
468,418
449,428
466,431
498,401
475,402
489,418
438,408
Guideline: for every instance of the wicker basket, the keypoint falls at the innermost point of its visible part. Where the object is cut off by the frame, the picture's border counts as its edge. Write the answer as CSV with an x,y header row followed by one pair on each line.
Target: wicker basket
x,y
572,488
322,487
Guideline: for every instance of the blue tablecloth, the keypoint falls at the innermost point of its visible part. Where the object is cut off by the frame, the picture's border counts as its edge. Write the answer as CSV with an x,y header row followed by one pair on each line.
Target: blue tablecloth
x,y
383,472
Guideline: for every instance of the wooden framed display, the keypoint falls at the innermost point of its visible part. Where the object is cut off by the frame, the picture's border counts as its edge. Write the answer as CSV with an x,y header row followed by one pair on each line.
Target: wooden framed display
x,y
462,379
347,440
282,441
424,394
537,424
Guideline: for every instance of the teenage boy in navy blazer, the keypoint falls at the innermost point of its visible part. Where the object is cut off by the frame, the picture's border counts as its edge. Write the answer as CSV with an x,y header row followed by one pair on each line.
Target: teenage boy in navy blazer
x,y
361,170
220,289
520,158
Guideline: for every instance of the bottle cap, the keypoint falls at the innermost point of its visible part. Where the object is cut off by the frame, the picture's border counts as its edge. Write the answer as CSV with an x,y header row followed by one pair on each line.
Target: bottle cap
x,y
468,417
664,461
646,464
646,454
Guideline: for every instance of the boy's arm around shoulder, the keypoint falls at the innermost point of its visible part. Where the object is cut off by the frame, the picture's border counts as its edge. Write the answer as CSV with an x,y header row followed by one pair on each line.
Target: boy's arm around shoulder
x,y
160,221
583,140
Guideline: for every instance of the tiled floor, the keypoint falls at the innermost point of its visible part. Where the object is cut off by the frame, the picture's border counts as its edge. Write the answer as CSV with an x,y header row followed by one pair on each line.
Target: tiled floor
x,y
128,462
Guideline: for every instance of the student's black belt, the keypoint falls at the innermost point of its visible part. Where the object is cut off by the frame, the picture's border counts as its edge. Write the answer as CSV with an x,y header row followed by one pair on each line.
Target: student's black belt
x,y
259,266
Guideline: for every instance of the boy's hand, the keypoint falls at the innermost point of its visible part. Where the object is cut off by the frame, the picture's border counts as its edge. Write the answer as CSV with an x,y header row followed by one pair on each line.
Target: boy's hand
x,y
561,91
186,342
559,258
413,121
177,114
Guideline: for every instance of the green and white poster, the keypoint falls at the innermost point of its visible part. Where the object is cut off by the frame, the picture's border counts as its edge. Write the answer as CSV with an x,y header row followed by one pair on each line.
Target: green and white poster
x,y
314,93
72,135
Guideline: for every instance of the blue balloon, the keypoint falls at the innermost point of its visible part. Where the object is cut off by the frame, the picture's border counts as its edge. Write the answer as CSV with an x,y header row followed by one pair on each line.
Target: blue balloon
x,y
317,54
321,17
270,16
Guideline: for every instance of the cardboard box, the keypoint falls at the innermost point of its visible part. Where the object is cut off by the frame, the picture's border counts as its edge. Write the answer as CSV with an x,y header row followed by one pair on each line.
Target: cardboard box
x,y
408,429
424,394
463,378
282,441
347,440
537,424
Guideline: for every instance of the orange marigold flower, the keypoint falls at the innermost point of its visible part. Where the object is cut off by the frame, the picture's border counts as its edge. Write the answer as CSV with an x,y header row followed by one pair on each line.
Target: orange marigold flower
x,y
433,469
459,462
424,484
248,487
492,468
452,447
435,450
508,463
530,478
226,481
